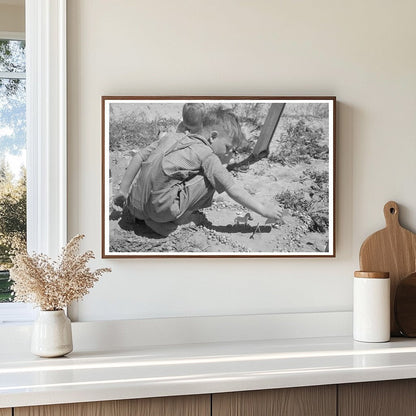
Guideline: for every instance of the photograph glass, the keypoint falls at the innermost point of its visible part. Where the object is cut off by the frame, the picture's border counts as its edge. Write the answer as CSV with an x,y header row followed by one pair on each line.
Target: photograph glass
x,y
218,177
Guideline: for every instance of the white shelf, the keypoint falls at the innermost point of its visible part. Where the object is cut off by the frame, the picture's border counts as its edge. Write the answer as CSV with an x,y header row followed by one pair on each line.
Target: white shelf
x,y
151,371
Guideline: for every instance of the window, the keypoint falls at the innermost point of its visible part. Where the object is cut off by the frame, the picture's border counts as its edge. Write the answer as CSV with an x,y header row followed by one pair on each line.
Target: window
x,y
12,165
46,134
12,154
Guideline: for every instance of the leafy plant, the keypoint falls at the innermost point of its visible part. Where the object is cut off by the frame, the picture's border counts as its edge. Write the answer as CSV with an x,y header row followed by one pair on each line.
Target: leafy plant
x,y
311,204
6,294
12,213
314,213
134,130
300,143
12,97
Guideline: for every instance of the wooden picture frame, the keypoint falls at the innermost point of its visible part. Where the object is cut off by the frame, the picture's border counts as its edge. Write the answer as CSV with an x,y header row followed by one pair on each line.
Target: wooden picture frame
x,y
284,157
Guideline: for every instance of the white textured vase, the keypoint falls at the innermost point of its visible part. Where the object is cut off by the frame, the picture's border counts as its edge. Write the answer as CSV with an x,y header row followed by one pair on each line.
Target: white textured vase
x,y
52,334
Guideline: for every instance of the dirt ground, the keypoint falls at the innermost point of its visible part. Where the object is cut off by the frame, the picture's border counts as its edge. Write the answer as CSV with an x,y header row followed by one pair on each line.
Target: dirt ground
x,y
214,230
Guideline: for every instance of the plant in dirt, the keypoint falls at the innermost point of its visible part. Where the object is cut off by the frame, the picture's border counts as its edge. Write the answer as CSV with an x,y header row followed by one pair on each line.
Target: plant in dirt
x,y
300,143
318,180
311,203
53,285
313,212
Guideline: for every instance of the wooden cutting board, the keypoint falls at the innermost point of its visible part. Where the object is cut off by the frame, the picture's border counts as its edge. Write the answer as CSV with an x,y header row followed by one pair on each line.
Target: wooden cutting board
x,y
405,306
393,250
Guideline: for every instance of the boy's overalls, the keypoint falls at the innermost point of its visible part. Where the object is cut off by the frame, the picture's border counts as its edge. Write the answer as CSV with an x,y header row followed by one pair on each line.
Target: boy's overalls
x,y
164,193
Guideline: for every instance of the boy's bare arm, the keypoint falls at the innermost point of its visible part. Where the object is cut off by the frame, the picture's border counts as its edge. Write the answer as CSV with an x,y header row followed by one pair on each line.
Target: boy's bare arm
x,y
131,172
240,195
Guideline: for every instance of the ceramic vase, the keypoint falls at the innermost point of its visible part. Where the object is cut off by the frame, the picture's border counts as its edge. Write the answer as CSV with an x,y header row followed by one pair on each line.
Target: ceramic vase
x,y
52,334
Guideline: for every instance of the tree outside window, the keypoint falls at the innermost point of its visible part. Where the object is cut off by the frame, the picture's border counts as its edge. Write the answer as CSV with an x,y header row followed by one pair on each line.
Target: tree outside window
x,y
12,156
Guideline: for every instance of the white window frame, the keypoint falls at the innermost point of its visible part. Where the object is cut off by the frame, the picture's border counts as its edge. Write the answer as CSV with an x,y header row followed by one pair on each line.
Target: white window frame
x,y
46,134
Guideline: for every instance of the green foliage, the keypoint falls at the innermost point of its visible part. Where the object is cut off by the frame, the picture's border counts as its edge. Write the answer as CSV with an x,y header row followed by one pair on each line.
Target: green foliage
x,y
12,97
12,214
6,294
13,140
6,176
300,143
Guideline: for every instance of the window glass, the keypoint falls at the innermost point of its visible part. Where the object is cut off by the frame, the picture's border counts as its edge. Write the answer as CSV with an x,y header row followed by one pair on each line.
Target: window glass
x,y
12,156
12,56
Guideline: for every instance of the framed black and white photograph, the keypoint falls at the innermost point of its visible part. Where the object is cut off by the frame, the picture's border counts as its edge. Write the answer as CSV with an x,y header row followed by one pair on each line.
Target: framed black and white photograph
x,y
218,176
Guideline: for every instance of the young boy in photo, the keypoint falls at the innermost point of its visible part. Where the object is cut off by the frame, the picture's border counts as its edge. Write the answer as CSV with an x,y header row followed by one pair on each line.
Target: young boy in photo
x,y
179,173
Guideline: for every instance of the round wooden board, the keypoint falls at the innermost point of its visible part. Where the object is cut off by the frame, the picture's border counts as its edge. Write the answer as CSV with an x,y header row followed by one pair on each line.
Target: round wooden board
x,y
405,306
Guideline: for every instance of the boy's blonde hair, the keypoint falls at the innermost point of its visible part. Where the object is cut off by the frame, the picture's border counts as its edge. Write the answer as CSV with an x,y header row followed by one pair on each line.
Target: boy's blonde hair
x,y
219,118
192,115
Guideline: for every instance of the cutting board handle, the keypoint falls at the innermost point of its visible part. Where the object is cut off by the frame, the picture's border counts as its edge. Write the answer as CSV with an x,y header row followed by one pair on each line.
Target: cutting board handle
x,y
391,214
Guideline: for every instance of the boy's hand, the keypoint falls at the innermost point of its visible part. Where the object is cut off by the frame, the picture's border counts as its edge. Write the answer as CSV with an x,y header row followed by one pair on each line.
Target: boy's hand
x,y
272,211
119,200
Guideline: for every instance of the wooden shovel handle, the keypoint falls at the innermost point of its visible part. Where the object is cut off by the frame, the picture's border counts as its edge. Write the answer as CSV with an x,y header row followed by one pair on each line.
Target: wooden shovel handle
x,y
391,214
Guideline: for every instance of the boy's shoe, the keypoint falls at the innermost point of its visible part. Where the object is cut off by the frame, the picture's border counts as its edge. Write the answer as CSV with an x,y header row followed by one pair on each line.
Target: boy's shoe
x,y
161,228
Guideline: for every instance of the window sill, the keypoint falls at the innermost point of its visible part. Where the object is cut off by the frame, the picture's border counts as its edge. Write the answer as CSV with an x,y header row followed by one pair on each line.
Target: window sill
x,y
16,313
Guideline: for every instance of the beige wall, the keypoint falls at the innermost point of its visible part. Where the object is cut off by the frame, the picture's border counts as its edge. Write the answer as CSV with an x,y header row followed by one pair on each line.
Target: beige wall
x,y
361,51
12,18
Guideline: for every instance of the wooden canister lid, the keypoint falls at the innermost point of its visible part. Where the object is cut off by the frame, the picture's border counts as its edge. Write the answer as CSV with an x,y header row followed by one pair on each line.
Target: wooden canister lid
x,y
372,275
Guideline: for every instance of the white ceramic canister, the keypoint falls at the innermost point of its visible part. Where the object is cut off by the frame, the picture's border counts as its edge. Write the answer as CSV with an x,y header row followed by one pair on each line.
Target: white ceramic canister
x,y
371,310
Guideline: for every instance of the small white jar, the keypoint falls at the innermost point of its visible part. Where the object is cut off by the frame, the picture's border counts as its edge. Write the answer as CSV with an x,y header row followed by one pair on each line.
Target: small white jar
x,y
371,309
52,334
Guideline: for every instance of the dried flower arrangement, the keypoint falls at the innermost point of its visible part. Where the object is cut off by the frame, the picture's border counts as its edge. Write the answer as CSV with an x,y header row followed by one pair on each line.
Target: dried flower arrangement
x,y
53,285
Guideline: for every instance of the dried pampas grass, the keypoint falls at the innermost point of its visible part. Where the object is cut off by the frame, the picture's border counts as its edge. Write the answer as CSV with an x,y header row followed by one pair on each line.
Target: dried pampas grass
x,y
53,285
